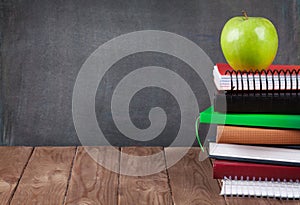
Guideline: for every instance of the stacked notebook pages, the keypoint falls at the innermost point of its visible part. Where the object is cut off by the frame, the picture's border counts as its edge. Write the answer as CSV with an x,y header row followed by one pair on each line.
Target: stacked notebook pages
x,y
256,151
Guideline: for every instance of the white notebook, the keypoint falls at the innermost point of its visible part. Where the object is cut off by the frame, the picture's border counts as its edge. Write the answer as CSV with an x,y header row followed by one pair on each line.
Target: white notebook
x,y
256,154
276,189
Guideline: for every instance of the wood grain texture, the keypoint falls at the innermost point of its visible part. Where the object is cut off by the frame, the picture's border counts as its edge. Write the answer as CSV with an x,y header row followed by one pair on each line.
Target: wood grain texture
x,y
191,180
46,176
90,182
12,163
143,190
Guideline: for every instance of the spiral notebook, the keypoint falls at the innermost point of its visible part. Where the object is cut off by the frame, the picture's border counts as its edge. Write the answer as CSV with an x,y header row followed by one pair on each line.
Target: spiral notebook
x,y
284,102
276,77
274,189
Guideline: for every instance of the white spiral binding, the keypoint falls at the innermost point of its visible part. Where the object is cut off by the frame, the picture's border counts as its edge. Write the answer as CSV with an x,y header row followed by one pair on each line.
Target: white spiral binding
x,y
246,187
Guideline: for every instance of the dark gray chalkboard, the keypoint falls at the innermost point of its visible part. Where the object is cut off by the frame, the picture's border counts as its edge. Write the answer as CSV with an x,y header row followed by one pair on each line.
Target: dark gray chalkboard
x,y
44,44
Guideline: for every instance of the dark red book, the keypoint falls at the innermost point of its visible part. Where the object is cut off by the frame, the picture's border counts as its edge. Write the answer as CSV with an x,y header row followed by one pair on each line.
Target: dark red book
x,y
239,170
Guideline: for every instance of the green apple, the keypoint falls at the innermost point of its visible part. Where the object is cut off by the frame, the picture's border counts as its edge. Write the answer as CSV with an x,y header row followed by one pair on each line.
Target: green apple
x,y
249,43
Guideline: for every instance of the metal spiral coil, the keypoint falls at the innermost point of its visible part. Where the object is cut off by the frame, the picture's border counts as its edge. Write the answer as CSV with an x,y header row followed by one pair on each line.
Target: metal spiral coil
x,y
239,78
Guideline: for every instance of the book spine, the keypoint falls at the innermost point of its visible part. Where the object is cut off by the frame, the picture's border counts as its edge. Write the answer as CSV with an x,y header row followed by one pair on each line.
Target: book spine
x,y
251,120
253,171
254,135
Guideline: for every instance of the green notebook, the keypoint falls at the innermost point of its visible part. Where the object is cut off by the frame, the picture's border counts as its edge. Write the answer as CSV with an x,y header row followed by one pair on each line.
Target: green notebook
x,y
257,120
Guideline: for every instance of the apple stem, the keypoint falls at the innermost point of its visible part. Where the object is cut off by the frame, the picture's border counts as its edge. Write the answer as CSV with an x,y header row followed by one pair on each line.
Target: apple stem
x,y
245,14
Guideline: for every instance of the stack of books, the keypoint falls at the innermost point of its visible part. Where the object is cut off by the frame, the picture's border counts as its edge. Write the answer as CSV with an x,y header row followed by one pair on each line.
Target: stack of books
x,y
256,151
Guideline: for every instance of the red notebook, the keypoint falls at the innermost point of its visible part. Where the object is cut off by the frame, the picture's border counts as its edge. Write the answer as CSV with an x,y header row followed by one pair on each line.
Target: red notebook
x,y
223,67
276,77
224,168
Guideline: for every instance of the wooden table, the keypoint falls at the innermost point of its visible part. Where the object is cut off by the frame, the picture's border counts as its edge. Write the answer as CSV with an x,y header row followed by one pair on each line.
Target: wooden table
x,y
68,175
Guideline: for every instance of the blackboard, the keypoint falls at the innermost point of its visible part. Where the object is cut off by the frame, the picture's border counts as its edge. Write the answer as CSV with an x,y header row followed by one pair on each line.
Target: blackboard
x,y
45,43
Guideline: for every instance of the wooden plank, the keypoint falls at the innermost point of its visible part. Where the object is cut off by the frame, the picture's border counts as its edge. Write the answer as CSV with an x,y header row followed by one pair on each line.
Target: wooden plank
x,y
12,163
46,176
90,182
140,189
191,180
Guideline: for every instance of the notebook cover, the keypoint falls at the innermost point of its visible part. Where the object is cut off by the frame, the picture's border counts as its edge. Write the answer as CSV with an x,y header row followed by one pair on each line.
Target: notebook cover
x,y
223,67
242,170
261,102
256,135
254,120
